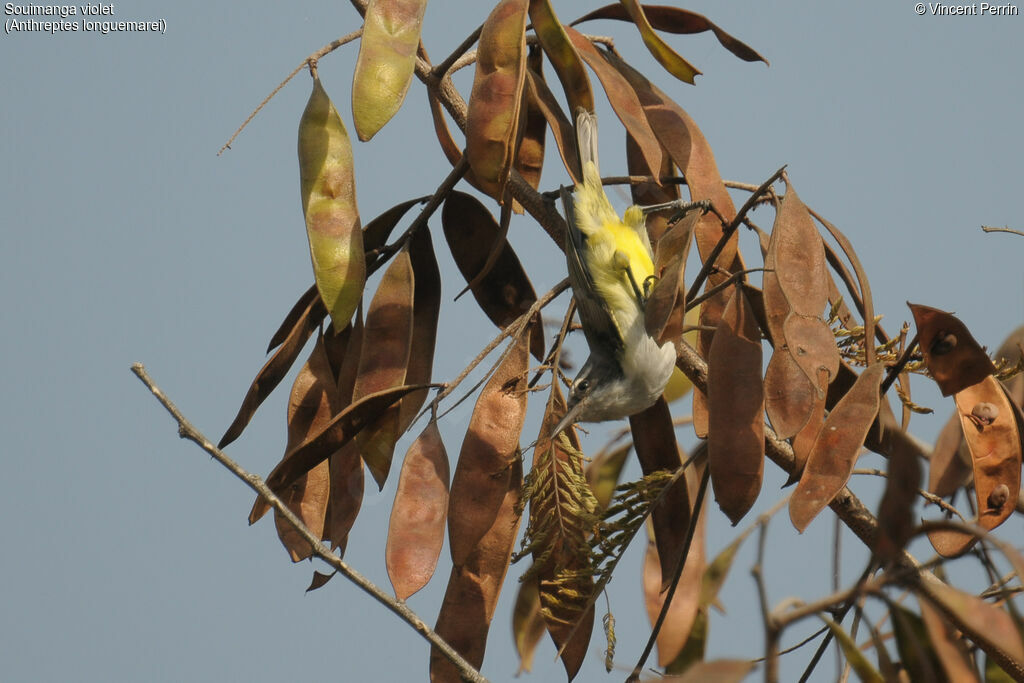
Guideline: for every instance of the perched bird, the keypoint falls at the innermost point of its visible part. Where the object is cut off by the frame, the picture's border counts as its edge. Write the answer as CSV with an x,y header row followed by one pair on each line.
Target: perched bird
x,y
610,270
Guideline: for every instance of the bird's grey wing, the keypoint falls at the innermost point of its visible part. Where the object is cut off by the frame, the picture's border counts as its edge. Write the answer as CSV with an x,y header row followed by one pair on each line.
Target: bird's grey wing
x,y
598,324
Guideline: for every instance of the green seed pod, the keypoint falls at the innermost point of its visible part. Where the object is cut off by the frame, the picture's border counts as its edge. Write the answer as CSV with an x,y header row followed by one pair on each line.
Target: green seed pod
x,y
329,203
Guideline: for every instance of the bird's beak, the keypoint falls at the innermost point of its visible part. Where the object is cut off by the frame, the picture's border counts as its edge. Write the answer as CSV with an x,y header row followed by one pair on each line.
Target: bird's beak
x,y
570,418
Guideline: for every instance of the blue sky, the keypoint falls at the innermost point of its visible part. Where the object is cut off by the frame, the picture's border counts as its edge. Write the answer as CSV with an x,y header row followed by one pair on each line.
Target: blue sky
x,y
125,238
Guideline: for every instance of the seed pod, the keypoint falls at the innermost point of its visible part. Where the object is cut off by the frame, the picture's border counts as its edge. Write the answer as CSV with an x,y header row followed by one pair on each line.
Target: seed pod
x,y
387,57
327,183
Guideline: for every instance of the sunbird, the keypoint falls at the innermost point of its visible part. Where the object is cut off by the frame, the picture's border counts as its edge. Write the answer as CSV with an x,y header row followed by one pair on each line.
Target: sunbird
x,y
611,271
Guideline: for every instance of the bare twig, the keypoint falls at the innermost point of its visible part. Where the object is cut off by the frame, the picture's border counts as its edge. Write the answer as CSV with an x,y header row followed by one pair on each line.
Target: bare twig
x,y
311,59
772,629
989,228
187,431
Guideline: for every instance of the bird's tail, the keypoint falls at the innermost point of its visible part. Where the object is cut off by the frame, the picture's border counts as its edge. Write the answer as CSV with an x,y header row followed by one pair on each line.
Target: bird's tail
x,y
586,141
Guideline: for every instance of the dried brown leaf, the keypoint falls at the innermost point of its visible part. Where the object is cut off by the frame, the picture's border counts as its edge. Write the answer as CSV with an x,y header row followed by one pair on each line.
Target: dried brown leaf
x,y
677,20
425,311
544,100
271,374
622,98
563,56
736,409
339,431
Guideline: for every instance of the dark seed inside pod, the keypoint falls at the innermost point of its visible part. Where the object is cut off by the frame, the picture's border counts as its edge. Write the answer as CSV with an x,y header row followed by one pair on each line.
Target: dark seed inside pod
x,y
943,343
985,413
997,499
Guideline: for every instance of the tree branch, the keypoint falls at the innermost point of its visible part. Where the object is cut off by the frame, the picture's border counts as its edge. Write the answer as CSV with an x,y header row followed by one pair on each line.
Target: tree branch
x,y
187,431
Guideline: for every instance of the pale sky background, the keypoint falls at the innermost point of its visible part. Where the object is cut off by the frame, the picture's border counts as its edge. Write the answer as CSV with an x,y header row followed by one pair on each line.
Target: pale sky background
x,y
126,554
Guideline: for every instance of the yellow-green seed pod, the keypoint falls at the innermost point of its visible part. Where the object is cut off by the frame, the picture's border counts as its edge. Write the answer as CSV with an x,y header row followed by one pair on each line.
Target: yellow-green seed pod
x,y
329,203
387,57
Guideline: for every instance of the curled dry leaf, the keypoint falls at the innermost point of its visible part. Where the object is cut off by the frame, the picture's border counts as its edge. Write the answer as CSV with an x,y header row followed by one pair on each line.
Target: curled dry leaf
x,y
656,449
416,530
492,116
377,231
666,56
473,588
271,374
954,359
327,181
504,293
335,434
736,409
346,465
623,100
387,341
295,316
387,58
834,453
566,62
677,20
544,100
426,308
490,453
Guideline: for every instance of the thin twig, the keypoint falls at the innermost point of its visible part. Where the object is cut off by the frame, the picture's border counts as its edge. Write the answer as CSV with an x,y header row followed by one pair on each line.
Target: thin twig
x,y
326,49
896,369
187,431
514,328
989,228
727,233
772,630
442,69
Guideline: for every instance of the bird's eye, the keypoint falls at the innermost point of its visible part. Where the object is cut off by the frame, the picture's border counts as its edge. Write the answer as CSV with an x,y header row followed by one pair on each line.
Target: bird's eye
x,y
582,386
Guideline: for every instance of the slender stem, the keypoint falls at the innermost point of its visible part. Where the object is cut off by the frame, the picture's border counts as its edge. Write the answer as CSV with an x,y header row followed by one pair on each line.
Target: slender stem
x,y
772,630
441,70
896,369
989,228
311,59
727,233
187,431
